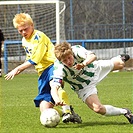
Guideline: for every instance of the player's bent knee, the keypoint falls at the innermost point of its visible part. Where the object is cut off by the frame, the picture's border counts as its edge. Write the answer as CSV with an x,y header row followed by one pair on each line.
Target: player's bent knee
x,y
98,109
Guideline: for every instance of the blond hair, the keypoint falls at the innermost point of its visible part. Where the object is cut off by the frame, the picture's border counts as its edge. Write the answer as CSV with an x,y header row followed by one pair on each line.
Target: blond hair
x,y
62,50
22,19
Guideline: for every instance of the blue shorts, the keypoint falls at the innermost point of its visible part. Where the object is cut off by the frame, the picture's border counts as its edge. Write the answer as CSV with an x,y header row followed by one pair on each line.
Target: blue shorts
x,y
44,87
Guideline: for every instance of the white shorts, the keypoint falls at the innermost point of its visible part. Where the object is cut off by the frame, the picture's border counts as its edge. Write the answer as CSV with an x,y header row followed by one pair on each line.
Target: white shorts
x,y
104,67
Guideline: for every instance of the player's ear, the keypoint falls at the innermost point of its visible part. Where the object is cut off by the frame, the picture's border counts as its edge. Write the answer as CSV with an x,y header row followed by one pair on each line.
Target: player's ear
x,y
32,25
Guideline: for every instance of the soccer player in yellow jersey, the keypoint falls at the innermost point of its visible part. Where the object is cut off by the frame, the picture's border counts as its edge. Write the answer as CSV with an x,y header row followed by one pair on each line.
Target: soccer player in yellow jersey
x,y
40,53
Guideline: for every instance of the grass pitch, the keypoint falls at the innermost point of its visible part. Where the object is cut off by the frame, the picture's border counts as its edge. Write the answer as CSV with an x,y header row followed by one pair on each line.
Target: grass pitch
x,y
18,114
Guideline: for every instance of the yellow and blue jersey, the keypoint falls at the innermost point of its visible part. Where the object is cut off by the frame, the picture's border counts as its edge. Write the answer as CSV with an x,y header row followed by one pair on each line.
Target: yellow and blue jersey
x,y
39,51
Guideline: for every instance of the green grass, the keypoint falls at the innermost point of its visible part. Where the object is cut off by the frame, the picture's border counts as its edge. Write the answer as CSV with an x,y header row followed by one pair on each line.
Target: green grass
x,y
18,114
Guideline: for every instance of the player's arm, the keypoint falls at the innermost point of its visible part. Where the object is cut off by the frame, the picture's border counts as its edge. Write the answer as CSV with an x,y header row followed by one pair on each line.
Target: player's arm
x,y
18,70
90,57
54,92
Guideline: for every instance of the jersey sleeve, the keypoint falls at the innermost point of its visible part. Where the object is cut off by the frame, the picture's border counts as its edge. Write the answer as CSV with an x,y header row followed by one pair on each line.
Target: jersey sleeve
x,y
58,73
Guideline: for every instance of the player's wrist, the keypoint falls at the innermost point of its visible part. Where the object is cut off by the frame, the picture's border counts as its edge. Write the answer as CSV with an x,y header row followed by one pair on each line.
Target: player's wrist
x,y
83,64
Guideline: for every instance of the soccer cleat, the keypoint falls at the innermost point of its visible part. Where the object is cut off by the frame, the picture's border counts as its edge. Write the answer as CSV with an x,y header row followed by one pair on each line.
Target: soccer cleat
x,y
129,116
76,118
66,117
73,117
125,57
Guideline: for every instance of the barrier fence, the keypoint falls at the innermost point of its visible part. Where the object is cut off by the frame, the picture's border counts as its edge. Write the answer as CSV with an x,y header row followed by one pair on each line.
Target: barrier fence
x,y
103,48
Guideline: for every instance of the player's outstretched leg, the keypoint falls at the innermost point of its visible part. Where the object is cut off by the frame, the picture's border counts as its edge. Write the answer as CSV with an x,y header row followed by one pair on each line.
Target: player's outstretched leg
x,y
129,116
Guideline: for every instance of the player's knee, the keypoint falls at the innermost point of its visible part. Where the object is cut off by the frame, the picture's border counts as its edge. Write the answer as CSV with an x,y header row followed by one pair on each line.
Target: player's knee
x,y
98,109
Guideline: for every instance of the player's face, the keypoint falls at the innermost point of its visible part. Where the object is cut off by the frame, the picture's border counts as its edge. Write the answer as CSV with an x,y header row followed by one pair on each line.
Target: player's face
x,y
26,30
68,60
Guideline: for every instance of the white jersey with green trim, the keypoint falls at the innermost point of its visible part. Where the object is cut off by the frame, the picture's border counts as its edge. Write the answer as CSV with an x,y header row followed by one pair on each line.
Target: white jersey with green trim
x,y
78,79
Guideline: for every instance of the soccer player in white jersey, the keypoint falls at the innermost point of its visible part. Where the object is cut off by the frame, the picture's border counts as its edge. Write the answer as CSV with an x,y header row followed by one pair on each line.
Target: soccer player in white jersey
x,y
79,67
39,53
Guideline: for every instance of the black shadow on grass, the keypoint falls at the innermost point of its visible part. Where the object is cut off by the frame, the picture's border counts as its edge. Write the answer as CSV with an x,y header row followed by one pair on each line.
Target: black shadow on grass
x,y
91,124
102,123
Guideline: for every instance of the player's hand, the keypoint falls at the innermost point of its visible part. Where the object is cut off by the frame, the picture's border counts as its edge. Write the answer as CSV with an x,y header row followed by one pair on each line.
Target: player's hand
x,y
79,66
11,74
59,103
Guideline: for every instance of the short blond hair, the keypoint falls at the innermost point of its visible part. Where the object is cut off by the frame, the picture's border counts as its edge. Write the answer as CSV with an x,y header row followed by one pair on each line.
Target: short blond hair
x,y
62,50
22,19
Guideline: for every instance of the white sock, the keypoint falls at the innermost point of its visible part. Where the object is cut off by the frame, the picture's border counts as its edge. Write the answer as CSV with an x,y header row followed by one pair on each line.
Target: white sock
x,y
112,111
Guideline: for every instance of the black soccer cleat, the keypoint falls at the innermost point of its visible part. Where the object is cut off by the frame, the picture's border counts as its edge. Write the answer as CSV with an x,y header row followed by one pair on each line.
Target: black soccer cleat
x,y
129,116
76,118
73,117
66,117
125,57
